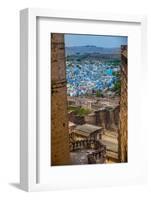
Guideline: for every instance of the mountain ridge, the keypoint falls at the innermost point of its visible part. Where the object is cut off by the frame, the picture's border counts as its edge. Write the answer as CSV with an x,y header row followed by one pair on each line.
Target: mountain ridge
x,y
73,50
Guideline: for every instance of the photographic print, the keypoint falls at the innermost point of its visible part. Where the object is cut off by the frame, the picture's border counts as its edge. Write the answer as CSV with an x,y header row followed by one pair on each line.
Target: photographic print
x,y
89,105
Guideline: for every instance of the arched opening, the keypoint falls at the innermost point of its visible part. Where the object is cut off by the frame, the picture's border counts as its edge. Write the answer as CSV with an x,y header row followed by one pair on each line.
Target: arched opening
x,y
82,108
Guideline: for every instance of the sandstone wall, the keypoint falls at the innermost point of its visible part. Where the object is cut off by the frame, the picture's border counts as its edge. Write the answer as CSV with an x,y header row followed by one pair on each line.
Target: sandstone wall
x,y
75,118
109,118
106,118
90,119
59,116
123,135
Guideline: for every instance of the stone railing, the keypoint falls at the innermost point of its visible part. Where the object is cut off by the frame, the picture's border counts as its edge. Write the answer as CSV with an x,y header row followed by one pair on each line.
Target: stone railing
x,y
99,153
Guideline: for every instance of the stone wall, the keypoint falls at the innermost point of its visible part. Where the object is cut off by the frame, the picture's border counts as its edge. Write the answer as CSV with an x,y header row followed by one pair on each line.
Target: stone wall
x,y
123,135
75,118
105,117
90,119
59,116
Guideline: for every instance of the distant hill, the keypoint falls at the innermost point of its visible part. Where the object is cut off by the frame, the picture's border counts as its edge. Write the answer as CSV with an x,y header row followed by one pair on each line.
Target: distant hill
x,y
88,49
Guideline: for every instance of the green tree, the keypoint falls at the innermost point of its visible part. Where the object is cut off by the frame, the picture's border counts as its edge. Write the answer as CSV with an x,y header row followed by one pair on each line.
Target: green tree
x,y
99,94
117,87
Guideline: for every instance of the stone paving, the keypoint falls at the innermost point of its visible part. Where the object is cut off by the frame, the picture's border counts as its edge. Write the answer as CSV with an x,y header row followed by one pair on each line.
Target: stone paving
x,y
80,157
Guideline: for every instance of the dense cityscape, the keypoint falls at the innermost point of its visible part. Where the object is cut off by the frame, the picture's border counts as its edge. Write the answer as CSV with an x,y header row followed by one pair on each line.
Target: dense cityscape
x,y
88,78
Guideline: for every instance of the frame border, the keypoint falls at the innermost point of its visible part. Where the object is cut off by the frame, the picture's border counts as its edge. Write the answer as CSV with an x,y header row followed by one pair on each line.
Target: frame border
x,y
28,81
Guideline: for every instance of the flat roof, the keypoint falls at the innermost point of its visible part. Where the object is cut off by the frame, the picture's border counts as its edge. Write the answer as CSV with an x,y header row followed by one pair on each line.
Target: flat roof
x,y
88,128
71,124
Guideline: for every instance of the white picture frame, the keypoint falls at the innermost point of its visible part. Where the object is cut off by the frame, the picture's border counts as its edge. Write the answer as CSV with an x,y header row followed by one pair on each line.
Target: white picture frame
x,y
29,142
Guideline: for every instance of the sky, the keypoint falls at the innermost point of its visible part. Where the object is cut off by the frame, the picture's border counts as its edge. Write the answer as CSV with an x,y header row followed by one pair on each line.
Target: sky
x,y
96,40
